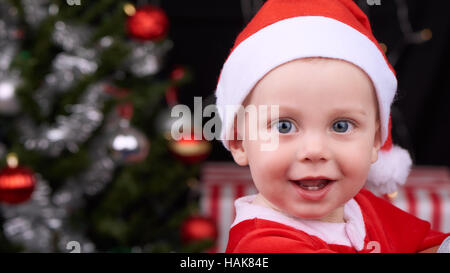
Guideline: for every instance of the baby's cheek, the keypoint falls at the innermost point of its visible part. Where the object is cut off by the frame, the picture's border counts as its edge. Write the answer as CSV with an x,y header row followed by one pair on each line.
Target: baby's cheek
x,y
268,165
273,163
355,161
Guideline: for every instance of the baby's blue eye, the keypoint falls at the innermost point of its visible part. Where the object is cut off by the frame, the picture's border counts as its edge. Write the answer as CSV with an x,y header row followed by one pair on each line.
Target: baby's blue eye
x,y
342,126
284,126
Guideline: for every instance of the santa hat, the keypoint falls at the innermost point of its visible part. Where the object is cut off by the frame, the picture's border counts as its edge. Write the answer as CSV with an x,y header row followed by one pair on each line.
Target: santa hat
x,y
285,30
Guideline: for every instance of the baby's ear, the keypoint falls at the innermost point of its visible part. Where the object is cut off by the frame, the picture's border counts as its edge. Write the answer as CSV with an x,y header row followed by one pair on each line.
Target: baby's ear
x,y
238,151
376,142
236,145
237,148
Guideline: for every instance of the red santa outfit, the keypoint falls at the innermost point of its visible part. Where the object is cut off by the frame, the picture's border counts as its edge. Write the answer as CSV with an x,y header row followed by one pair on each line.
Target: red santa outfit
x,y
371,225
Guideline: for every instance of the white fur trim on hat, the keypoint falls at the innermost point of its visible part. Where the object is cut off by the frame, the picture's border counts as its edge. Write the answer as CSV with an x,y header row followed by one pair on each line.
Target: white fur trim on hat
x,y
389,171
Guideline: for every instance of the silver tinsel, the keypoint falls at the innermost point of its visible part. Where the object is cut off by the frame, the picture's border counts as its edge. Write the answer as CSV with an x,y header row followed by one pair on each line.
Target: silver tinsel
x,y
68,67
9,104
69,131
9,34
8,22
70,37
66,71
35,11
90,182
36,223
7,53
33,223
146,58
99,174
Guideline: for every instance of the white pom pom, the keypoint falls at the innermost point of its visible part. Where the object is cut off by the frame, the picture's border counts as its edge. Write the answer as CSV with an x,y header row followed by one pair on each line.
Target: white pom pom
x,y
390,170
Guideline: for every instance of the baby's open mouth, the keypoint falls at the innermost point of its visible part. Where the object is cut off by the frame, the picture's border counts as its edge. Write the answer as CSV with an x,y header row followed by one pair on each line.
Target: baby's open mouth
x,y
313,184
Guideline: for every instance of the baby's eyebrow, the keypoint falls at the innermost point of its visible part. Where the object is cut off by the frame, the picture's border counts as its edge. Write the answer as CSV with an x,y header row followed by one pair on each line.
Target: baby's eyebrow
x,y
284,109
349,111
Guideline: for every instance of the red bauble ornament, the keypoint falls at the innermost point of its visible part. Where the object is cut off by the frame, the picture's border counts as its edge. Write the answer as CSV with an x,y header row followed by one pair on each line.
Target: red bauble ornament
x,y
189,150
148,23
196,228
178,73
171,96
16,185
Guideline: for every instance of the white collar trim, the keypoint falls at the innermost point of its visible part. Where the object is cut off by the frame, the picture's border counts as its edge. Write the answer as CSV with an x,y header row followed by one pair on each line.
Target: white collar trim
x,y
351,233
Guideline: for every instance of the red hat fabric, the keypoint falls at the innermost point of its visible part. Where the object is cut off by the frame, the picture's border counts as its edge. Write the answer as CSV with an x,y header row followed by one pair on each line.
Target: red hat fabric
x,y
285,30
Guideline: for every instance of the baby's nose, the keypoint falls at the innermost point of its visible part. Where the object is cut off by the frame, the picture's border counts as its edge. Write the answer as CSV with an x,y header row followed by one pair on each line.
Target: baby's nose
x,y
313,148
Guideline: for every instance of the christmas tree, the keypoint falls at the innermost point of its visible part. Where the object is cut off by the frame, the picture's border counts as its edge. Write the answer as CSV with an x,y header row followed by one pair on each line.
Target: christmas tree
x,y
88,163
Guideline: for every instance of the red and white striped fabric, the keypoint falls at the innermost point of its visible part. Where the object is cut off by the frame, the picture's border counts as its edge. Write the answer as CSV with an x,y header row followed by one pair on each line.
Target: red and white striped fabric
x,y
426,195
222,183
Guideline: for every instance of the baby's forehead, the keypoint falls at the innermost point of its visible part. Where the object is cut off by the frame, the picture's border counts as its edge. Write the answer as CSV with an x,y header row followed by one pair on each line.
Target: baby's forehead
x,y
314,77
315,65
316,83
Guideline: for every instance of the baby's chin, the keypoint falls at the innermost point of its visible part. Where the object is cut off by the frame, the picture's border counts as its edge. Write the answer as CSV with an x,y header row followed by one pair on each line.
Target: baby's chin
x,y
316,212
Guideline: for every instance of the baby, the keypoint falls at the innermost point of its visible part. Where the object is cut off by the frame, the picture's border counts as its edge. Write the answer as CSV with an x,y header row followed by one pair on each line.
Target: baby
x,y
318,62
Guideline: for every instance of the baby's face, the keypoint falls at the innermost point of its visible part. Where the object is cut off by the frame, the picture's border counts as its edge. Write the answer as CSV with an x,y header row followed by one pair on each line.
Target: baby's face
x,y
327,127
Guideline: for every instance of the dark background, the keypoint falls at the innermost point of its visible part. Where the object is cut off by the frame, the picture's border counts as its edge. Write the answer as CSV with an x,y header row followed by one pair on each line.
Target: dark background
x,y
203,32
